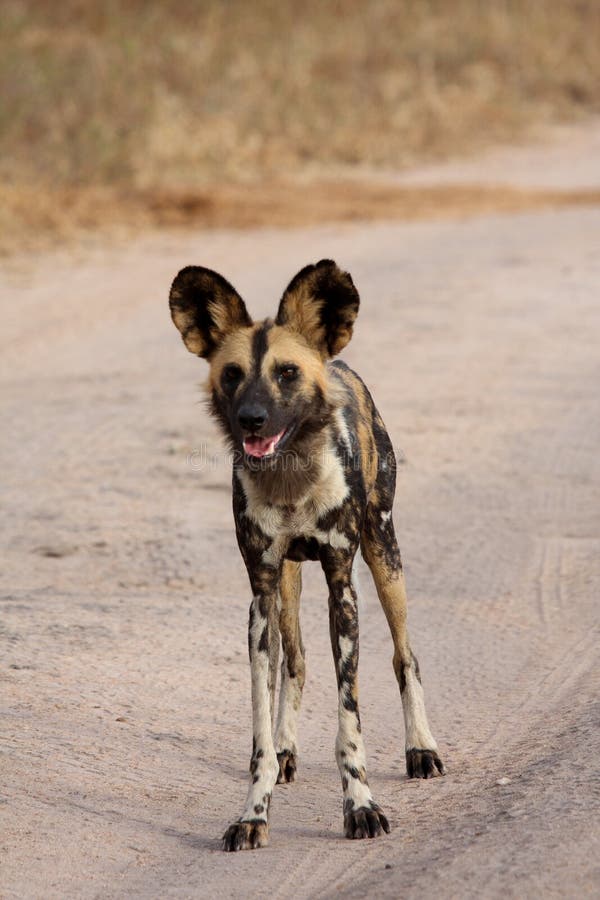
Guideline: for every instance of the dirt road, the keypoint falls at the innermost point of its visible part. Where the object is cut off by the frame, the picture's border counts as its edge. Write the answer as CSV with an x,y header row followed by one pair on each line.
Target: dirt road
x,y
125,683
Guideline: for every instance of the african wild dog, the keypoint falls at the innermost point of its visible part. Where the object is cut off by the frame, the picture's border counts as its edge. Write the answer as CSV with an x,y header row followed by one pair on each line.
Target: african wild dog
x,y
313,478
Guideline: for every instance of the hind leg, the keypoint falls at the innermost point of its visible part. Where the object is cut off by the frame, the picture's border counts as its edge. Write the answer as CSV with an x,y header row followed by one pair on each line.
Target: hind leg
x,y
381,553
292,672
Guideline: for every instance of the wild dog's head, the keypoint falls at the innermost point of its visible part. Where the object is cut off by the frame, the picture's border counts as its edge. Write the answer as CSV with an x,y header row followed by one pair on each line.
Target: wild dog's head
x,y
268,381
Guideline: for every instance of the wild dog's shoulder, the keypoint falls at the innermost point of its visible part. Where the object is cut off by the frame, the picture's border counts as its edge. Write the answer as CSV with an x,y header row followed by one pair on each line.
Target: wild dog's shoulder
x,y
354,414
351,389
256,522
358,422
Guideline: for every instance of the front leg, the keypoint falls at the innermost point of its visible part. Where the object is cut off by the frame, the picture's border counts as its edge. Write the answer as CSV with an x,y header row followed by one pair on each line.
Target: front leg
x,y
251,829
362,816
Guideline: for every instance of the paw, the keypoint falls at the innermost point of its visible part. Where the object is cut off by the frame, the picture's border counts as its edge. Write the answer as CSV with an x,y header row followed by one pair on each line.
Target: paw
x,y
246,836
423,763
287,766
365,822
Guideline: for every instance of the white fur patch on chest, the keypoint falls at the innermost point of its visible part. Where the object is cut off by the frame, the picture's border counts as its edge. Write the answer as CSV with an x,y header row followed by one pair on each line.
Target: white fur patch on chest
x,y
282,523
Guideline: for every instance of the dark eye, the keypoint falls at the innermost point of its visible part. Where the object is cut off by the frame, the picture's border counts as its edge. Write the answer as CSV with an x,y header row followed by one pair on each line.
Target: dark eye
x,y
232,375
287,374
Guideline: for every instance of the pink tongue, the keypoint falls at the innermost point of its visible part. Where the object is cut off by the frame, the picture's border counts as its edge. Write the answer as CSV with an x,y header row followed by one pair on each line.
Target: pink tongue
x,y
261,446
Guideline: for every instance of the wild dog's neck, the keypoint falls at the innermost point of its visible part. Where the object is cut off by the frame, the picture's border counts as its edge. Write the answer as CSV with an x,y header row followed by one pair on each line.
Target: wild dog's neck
x,y
291,477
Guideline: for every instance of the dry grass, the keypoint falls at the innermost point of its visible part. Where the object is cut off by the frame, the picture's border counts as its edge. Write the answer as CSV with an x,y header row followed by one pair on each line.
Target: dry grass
x,y
64,213
114,110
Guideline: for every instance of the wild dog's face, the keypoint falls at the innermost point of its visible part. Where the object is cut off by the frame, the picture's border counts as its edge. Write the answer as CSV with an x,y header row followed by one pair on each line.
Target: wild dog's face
x,y
266,385
268,381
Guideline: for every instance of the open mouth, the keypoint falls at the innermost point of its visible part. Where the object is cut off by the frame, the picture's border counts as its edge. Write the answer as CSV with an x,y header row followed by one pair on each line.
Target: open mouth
x,y
259,447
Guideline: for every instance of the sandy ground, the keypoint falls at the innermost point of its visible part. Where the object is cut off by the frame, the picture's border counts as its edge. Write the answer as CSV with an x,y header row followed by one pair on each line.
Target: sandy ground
x,y
124,675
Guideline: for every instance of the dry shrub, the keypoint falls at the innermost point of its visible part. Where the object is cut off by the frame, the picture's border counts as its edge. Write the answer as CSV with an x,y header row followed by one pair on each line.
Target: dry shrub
x,y
175,95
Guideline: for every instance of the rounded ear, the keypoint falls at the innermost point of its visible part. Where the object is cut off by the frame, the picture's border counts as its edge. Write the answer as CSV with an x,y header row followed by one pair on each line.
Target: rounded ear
x,y
205,308
321,303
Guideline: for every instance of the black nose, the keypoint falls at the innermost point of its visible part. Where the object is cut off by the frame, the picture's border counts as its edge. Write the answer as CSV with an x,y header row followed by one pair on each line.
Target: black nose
x,y
252,416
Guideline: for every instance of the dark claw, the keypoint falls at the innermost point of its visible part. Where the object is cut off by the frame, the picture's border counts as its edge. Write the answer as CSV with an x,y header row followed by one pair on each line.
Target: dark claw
x,y
365,823
423,763
246,836
287,767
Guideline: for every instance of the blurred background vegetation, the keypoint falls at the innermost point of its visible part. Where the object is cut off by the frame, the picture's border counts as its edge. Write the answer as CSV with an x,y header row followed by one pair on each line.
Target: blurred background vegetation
x,y
119,100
